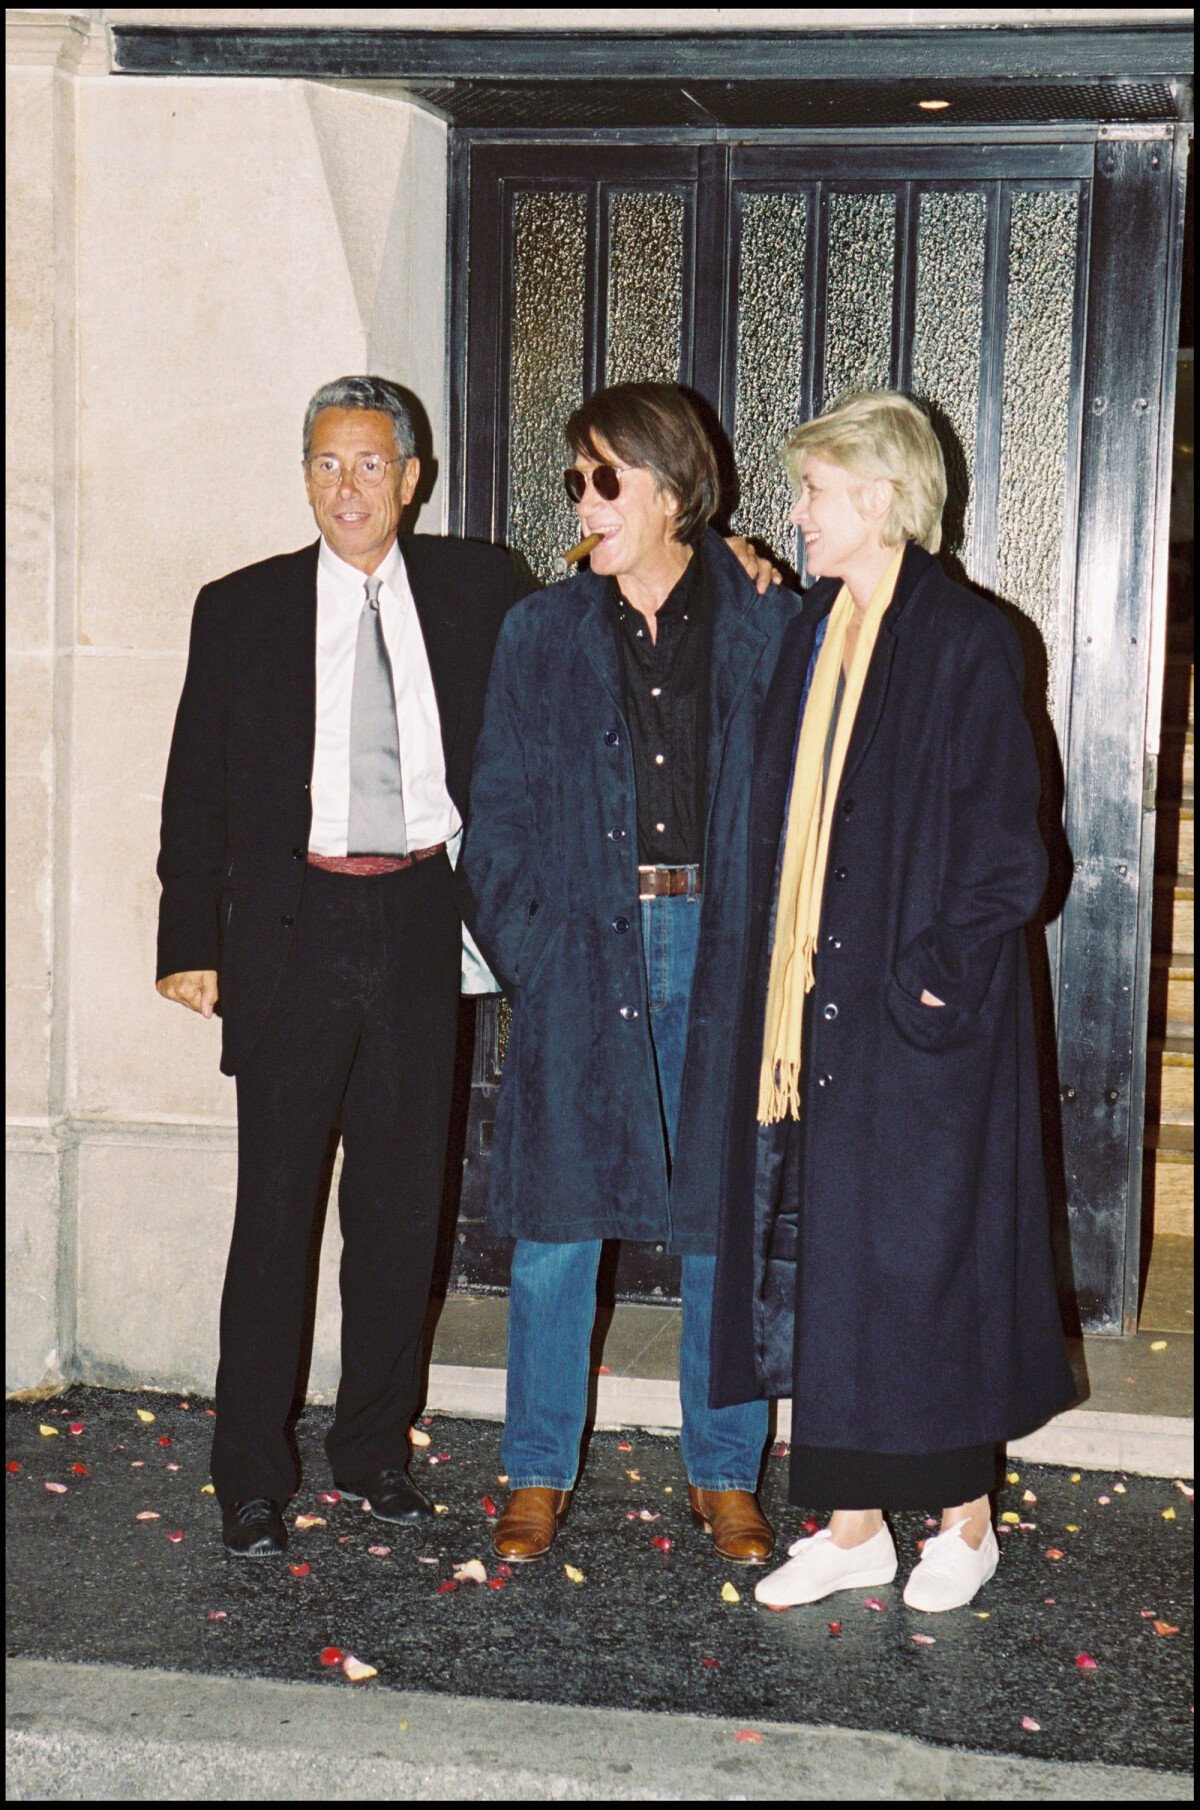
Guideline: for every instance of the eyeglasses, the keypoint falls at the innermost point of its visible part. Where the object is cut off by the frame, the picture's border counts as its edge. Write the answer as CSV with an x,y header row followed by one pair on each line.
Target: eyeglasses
x,y
605,480
368,470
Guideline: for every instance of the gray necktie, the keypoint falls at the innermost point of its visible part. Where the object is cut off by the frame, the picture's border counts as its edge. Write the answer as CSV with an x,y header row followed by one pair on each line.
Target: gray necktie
x,y
376,824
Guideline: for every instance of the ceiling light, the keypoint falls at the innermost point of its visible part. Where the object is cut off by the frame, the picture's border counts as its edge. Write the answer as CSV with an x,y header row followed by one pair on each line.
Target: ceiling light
x,y
933,106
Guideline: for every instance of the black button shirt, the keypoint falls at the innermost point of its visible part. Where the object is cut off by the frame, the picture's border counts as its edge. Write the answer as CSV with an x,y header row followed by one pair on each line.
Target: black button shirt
x,y
666,705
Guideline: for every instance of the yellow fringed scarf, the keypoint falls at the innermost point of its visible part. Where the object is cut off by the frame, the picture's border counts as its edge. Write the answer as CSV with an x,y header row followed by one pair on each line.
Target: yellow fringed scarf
x,y
806,850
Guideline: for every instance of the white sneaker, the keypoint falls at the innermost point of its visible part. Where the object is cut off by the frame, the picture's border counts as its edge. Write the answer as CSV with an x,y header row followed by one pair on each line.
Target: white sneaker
x,y
816,1568
950,1571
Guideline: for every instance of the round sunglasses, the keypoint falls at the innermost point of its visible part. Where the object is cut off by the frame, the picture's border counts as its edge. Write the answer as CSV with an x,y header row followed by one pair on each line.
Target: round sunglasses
x,y
605,479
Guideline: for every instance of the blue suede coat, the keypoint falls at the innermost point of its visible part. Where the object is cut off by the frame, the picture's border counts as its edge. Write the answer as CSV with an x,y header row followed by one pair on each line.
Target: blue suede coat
x,y
551,857
886,1260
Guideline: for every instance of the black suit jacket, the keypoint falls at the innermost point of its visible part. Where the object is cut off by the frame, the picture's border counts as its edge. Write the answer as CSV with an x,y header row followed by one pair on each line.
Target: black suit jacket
x,y
237,806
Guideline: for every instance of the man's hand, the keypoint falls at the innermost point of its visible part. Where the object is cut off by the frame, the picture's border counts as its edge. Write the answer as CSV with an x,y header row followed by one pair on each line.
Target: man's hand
x,y
196,988
760,570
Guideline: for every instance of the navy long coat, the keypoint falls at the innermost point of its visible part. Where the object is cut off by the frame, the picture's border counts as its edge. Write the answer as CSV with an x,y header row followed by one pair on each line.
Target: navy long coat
x,y
886,1260
551,856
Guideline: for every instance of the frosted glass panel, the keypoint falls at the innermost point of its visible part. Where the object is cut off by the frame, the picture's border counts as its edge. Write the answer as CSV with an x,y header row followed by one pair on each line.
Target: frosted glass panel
x,y
645,287
770,359
546,370
947,342
858,306
1036,413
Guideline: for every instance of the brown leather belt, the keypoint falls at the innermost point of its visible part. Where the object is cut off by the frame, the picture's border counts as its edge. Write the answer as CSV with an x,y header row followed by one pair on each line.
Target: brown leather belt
x,y
669,882
366,865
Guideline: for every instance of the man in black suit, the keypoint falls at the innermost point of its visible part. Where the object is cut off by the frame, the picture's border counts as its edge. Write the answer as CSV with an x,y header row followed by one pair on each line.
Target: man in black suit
x,y
315,794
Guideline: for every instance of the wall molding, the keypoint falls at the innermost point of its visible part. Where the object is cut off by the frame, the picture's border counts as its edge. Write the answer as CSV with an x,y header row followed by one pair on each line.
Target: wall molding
x,y
77,43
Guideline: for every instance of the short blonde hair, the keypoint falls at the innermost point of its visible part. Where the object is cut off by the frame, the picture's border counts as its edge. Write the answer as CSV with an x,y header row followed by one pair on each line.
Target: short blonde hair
x,y
881,434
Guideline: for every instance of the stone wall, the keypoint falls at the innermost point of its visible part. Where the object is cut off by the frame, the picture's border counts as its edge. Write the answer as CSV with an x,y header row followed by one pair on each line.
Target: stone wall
x,y
188,260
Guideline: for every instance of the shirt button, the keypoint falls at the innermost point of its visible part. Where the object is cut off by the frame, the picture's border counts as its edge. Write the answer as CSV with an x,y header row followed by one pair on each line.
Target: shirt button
x,y
830,1013
611,737
629,1012
620,925
841,873
659,759
287,922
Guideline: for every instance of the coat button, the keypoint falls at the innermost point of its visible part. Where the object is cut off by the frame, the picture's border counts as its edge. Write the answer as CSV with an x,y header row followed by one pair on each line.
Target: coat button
x,y
287,922
833,942
841,873
824,1080
630,1013
829,1013
847,806
620,925
297,854
617,835
611,737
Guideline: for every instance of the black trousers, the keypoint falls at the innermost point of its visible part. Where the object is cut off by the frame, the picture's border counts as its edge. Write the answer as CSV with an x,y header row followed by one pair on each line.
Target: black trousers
x,y
361,1034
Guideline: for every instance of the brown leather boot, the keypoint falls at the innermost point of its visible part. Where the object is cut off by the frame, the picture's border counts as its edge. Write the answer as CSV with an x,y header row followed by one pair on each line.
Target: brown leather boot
x,y
739,1530
529,1523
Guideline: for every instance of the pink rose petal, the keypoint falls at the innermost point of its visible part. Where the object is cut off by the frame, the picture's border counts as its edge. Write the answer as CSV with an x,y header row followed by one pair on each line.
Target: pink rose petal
x,y
1085,1662
76,1427
747,1734
379,1552
175,1536
873,1602
148,1514
217,1615
357,1670
1029,1723
57,1489
924,1640
329,1496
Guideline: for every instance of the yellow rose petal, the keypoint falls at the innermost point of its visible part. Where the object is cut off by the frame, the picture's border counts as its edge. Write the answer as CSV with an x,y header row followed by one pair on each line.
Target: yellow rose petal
x,y
418,1437
48,1432
1014,1477
441,1508
208,1489
1168,1514
403,1726
1158,1345
982,1614
1076,1476
1010,1518
1071,1527
575,1574
729,1594
145,1416
356,1670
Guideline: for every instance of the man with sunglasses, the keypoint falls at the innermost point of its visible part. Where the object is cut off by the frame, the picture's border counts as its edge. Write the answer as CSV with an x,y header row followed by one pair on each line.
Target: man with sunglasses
x,y
606,856
316,790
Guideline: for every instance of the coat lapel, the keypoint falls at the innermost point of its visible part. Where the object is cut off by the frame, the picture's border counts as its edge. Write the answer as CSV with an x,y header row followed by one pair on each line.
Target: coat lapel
x,y
441,625
293,656
737,647
598,639
913,569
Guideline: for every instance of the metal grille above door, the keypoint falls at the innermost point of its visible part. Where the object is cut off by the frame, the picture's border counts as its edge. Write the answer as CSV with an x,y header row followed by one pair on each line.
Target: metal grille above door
x,y
774,277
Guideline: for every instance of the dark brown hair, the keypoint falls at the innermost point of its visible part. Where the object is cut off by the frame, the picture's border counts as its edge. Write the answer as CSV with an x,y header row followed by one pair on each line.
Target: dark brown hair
x,y
656,427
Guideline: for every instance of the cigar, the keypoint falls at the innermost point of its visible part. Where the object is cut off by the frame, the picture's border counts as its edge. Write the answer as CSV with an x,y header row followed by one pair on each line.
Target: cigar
x,y
580,550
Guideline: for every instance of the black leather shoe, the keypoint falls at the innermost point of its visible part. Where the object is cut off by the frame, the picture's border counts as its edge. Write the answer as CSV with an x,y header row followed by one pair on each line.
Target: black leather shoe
x,y
392,1494
254,1529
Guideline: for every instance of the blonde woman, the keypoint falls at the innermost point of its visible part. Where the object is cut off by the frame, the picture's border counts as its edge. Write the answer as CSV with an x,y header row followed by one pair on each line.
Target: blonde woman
x,y
884,1248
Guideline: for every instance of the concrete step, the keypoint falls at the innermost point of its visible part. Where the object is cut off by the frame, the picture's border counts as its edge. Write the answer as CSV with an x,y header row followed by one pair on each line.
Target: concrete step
x,y
1174,930
1177,1098
1172,1143
1169,1193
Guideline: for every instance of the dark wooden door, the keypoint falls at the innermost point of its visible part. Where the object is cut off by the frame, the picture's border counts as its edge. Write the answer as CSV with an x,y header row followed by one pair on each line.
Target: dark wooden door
x,y
1024,290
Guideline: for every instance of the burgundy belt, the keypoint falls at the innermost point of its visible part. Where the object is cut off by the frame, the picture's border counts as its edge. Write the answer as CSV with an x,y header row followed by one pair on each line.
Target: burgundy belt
x,y
669,882
366,865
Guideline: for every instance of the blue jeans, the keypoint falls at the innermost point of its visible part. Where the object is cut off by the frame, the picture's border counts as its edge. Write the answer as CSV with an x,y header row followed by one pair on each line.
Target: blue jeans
x,y
552,1295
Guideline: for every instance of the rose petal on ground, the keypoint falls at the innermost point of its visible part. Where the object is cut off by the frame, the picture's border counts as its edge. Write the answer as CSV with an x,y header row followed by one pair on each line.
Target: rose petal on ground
x,y
357,1670
1033,1727
474,1571
49,1432
1027,1526
305,1521
441,1508
1187,1489
662,1542
1055,1552
217,1615
924,1640
780,1449
211,1412
57,1489
931,1521
504,1571
425,1558
379,1552
668,1490
1028,1496
1168,1514
76,1427
1164,1627
176,1535
1119,1489
447,1585
982,1614
488,1506
1158,1344
648,1514
332,1655
186,1406
443,1457
1076,1476
623,1445
1085,1662
330,1497
1149,1614
300,1570
575,1574
1013,1477
12,1465
145,1416
137,1464
873,1602
80,1470
747,1734
1010,1518
208,1489
712,1664
496,1583
417,1437
433,1461
148,1514
1072,1527
501,1476
170,1467
811,1526
602,1370
634,1476
165,1439
1104,1501
729,1594
1050,1601
835,1628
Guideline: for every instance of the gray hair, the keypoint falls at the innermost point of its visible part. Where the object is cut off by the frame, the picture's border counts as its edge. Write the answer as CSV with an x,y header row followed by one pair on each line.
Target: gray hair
x,y
365,393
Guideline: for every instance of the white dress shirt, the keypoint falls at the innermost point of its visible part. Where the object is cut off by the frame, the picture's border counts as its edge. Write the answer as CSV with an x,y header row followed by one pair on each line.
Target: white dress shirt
x,y
429,813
